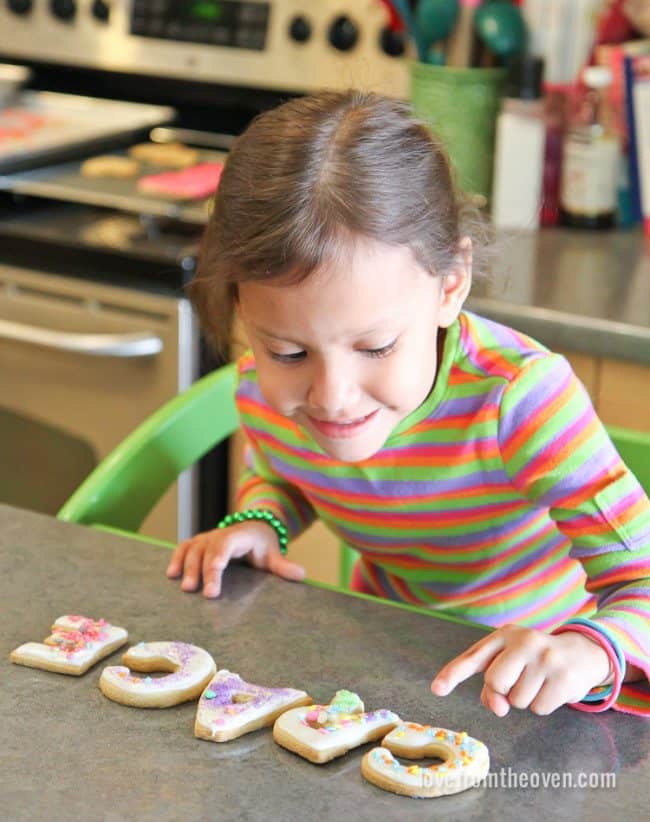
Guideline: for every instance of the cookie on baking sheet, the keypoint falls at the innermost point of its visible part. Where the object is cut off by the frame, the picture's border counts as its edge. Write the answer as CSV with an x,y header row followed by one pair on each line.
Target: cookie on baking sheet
x,y
230,707
189,669
110,165
465,761
323,732
75,644
172,155
193,183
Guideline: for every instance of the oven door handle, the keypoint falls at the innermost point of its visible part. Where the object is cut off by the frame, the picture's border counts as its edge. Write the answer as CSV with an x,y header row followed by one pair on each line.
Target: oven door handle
x,y
133,344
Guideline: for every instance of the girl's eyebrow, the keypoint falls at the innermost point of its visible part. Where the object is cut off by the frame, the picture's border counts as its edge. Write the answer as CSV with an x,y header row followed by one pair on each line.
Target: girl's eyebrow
x,y
271,334
377,328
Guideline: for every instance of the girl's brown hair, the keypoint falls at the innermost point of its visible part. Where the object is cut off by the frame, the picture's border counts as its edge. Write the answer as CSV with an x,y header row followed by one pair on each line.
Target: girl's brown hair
x,y
307,178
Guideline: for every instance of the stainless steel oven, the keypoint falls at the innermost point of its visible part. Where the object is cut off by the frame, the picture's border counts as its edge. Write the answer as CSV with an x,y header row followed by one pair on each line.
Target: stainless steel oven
x,y
95,330
81,364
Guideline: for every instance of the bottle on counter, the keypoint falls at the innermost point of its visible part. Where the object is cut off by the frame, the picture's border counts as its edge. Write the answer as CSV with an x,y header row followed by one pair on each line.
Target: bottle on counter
x,y
590,163
519,147
555,115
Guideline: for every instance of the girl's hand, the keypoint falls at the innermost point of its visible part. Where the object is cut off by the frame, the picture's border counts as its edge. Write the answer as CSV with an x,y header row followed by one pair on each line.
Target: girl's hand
x,y
525,668
207,555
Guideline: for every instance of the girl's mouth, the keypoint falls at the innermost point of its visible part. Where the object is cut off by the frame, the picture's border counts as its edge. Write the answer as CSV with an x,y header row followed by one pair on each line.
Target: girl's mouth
x,y
342,429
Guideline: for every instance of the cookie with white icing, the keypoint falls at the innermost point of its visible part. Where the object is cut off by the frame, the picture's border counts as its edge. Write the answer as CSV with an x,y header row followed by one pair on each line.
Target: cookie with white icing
x,y
230,707
74,645
465,761
188,668
322,732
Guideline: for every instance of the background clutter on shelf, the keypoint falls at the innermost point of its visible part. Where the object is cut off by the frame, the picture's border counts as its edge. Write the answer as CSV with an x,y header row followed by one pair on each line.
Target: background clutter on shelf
x,y
544,105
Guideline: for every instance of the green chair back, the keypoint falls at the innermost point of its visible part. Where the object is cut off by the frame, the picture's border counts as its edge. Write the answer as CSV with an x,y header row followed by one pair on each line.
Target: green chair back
x,y
127,484
634,448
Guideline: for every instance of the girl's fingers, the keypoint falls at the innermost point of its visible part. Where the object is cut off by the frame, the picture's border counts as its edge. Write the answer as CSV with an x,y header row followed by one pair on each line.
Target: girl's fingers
x,y
284,568
505,670
237,543
215,563
470,662
175,565
548,699
497,703
192,566
526,688
207,556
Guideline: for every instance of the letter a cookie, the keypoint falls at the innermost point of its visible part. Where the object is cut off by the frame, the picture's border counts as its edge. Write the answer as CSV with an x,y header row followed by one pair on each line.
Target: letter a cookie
x,y
230,707
75,644
323,732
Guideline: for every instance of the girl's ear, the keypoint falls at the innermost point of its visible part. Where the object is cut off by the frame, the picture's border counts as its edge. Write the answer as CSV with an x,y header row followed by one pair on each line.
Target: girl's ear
x,y
455,284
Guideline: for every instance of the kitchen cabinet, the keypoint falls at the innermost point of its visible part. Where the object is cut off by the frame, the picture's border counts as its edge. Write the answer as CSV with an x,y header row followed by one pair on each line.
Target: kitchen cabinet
x,y
624,394
586,369
620,390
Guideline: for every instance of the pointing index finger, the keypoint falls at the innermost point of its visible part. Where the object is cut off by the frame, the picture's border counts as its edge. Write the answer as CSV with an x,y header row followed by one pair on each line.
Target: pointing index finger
x,y
475,659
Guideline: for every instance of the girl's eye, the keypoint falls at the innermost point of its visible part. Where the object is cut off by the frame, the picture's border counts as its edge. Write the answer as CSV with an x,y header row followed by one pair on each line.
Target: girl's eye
x,y
288,358
380,352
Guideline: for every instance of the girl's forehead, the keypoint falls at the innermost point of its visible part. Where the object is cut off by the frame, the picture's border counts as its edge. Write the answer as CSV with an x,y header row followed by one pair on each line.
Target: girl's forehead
x,y
346,300
375,271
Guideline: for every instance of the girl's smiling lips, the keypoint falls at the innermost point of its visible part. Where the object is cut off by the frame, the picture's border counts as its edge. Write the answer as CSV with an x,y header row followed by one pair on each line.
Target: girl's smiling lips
x,y
342,430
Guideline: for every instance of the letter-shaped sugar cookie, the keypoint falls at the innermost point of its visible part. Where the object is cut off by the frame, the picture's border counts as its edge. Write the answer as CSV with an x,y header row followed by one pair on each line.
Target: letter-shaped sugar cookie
x,y
323,732
230,707
75,645
190,669
465,763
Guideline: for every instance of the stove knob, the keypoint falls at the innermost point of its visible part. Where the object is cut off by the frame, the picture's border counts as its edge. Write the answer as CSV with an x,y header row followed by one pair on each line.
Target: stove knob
x,y
300,29
343,33
392,42
101,10
63,9
20,6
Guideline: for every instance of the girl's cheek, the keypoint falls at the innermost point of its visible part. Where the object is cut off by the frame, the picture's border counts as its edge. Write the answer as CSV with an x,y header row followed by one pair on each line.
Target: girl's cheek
x,y
280,391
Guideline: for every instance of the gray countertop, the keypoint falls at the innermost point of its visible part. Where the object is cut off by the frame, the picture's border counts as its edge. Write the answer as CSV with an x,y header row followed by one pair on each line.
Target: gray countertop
x,y
66,752
577,290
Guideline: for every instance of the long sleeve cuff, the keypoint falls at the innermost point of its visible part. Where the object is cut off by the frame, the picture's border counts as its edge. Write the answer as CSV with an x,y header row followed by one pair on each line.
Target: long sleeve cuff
x,y
603,697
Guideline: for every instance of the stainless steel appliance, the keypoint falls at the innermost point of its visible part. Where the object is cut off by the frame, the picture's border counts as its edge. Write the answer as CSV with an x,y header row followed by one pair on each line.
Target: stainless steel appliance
x,y
287,45
95,329
81,364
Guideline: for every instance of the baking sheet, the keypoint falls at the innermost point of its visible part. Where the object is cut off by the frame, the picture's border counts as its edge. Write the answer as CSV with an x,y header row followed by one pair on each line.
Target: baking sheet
x,y
65,181
42,127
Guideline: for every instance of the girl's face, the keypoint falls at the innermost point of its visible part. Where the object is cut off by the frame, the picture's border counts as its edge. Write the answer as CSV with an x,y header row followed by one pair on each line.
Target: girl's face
x,y
351,351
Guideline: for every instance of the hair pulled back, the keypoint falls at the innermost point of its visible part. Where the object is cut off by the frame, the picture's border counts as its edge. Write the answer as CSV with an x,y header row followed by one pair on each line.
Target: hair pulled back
x,y
308,178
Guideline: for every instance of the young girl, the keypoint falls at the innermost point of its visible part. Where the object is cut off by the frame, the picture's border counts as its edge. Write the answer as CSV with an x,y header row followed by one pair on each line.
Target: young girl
x,y
461,458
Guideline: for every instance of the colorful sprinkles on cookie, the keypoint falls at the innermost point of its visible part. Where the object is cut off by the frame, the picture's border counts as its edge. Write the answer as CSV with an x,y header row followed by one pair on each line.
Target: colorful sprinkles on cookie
x,y
188,667
345,710
230,706
465,761
323,732
75,644
85,634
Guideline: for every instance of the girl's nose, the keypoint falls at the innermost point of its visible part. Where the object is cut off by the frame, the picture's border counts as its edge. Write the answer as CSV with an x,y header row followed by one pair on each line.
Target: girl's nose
x,y
333,391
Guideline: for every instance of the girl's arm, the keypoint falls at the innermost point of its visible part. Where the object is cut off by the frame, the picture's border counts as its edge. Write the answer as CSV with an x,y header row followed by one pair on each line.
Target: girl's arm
x,y
558,454
259,485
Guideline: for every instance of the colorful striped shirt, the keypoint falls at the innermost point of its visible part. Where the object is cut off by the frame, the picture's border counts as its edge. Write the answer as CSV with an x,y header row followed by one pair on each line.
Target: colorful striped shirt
x,y
500,499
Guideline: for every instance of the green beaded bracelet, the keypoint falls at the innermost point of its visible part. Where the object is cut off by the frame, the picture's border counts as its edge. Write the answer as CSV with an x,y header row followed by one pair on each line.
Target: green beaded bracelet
x,y
265,516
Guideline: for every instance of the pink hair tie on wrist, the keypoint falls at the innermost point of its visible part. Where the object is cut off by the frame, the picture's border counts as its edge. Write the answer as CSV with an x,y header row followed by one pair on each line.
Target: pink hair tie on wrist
x,y
609,698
